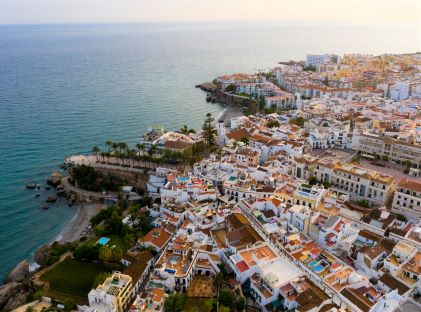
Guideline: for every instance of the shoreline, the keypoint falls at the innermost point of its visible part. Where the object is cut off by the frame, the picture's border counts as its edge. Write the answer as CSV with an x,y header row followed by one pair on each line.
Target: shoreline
x,y
228,113
80,222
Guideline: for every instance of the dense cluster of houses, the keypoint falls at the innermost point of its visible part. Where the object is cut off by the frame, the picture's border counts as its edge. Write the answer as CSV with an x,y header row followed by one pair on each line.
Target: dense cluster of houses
x,y
311,217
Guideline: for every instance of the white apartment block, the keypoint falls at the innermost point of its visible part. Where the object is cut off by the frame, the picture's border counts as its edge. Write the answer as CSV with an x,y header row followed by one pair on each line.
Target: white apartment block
x,y
316,59
407,200
359,183
399,91
396,150
114,295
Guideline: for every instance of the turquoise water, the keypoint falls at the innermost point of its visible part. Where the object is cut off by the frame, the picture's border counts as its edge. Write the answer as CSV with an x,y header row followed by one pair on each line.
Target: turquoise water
x,y
64,88
103,241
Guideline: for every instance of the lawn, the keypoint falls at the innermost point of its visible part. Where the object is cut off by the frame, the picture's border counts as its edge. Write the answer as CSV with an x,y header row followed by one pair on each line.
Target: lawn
x,y
72,279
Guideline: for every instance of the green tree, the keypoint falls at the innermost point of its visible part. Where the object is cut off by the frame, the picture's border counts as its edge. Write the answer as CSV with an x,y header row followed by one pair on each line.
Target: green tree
x,y
356,159
312,180
30,309
385,157
407,163
96,151
175,302
224,309
68,304
273,124
110,255
115,146
298,121
226,298
208,305
209,130
363,203
100,278
109,143
86,252
401,217
231,88
185,130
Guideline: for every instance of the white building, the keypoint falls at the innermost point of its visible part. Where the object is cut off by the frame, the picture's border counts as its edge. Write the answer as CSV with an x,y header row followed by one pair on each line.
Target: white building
x,y
407,199
399,91
114,295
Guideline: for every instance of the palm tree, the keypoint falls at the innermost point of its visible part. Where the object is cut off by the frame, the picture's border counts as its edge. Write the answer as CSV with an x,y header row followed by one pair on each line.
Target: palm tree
x,y
96,151
140,147
114,146
121,146
109,143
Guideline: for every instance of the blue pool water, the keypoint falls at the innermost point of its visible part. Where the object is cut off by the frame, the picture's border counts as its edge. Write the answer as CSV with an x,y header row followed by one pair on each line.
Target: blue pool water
x,y
171,271
103,241
318,268
313,263
65,88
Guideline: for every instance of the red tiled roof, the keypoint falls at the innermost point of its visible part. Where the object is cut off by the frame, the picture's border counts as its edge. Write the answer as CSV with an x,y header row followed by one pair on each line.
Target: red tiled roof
x,y
242,266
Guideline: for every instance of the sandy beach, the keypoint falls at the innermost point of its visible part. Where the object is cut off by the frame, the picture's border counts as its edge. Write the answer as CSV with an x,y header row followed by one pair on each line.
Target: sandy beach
x,y
79,223
228,113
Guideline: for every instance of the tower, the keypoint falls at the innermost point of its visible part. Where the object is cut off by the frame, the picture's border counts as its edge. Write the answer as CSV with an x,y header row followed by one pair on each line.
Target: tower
x,y
220,132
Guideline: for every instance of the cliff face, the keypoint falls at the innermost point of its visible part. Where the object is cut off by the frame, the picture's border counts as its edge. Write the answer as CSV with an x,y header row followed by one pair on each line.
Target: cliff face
x,y
217,95
17,287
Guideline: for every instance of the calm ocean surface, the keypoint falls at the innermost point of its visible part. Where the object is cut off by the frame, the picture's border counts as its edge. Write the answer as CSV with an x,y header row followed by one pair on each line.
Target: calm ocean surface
x,y
65,88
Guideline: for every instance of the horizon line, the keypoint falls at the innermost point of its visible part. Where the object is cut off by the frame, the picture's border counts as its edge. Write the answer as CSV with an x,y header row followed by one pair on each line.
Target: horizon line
x,y
327,21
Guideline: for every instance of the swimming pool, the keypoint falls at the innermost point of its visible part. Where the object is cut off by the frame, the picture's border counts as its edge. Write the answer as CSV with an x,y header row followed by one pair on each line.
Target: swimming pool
x,y
103,241
313,263
318,268
171,271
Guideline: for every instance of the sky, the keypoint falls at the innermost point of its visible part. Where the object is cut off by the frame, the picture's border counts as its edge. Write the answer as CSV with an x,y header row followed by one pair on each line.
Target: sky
x,y
99,11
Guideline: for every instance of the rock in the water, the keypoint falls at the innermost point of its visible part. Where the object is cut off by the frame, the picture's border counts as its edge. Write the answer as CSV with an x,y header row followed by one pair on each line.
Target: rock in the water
x,y
41,255
8,291
55,179
19,273
61,192
51,199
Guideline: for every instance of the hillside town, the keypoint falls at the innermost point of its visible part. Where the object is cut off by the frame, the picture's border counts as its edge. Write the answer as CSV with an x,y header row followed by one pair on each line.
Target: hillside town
x,y
310,204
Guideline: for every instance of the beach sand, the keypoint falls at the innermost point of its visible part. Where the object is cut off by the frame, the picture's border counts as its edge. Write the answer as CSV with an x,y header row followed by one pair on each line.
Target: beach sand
x,y
228,113
79,223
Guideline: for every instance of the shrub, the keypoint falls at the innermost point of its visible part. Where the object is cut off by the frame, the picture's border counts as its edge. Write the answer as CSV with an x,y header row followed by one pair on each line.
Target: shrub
x,y
298,121
401,217
86,252
363,203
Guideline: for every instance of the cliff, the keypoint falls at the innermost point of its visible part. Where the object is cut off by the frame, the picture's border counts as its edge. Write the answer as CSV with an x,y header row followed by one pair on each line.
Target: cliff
x,y
217,95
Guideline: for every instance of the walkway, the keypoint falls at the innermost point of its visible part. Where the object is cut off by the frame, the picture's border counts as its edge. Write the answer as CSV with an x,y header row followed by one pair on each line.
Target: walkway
x,y
119,164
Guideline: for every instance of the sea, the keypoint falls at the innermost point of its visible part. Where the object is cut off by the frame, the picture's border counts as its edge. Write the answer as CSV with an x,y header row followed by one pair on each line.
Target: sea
x,y
66,88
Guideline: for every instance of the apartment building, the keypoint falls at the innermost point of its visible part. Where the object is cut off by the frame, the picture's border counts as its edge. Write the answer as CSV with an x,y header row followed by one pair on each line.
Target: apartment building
x,y
396,150
407,199
175,266
114,295
308,195
358,182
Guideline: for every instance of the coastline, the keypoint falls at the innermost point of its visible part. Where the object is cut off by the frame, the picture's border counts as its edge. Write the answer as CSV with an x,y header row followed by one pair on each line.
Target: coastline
x,y
228,113
73,230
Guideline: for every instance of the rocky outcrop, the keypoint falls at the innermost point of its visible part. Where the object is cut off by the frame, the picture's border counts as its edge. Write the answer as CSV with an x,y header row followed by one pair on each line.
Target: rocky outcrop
x,y
17,300
8,291
19,273
217,95
41,255
208,87
13,295
54,179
